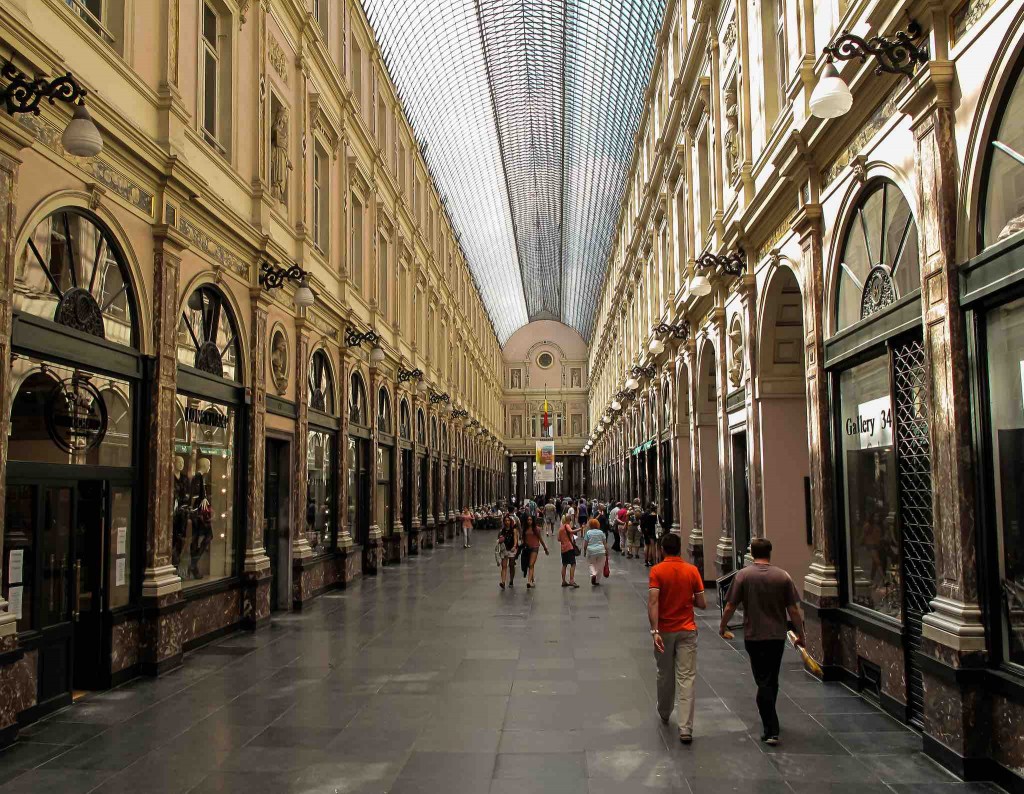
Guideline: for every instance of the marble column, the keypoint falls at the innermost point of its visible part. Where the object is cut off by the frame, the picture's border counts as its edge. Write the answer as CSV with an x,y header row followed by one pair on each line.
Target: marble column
x,y
161,586
348,557
17,672
301,550
724,560
374,540
755,479
954,633
695,544
821,585
256,565
398,547
429,483
416,524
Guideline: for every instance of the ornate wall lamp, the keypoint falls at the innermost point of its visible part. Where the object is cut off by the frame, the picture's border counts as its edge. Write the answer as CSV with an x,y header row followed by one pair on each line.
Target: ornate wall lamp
x,y
273,277
897,54
680,332
436,398
732,264
459,413
406,375
640,372
23,94
354,339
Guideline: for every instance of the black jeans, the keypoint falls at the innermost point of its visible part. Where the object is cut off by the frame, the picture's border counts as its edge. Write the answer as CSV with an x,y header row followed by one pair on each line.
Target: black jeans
x,y
765,661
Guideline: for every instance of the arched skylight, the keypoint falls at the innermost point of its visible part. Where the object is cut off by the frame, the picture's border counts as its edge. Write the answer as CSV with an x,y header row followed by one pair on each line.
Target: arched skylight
x,y
527,110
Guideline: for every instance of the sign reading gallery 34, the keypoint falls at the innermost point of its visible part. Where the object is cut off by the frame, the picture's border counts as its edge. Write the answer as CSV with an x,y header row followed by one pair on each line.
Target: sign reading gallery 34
x,y
873,423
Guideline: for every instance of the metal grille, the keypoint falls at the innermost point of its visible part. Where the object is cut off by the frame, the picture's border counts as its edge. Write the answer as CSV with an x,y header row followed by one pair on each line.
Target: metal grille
x,y
914,472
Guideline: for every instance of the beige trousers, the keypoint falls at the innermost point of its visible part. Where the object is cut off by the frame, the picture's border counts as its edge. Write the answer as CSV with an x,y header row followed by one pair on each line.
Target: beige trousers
x,y
677,674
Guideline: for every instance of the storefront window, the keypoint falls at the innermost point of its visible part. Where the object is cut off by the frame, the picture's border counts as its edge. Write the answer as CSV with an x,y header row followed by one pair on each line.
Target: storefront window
x,y
1005,347
383,496
203,534
206,335
320,490
879,263
869,472
70,415
1004,193
72,272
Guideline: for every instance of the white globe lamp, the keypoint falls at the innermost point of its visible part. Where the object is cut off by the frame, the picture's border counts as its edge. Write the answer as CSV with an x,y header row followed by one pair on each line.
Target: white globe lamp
x,y
831,97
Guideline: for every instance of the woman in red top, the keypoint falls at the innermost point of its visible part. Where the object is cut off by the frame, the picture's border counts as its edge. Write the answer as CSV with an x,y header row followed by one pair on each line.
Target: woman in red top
x,y
568,547
532,539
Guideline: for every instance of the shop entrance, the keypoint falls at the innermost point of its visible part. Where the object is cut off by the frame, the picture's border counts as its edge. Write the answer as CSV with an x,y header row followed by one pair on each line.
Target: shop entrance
x,y
60,534
740,499
276,510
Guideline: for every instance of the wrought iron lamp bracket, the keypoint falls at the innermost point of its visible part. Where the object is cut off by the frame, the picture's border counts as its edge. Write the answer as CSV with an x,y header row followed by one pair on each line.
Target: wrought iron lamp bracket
x,y
732,264
354,339
405,375
273,276
680,331
436,398
23,94
896,55
647,372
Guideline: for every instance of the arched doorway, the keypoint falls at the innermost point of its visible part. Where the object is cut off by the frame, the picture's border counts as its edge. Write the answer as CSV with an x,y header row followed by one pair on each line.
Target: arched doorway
x,y
73,547
781,398
706,426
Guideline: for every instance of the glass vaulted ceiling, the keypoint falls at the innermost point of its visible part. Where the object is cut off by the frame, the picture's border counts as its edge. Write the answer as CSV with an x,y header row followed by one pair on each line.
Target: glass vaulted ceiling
x,y
527,110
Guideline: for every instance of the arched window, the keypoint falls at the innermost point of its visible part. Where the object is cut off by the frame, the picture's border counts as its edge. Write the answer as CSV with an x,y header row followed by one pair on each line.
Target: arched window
x,y
208,334
421,427
444,439
72,271
357,401
321,383
879,261
433,432
1003,209
383,410
404,420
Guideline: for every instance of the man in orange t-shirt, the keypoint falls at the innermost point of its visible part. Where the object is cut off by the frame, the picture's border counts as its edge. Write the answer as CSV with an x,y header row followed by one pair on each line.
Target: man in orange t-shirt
x,y
676,587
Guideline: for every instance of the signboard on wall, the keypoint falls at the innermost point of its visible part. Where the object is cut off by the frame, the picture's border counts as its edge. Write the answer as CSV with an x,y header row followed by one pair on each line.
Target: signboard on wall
x,y
545,460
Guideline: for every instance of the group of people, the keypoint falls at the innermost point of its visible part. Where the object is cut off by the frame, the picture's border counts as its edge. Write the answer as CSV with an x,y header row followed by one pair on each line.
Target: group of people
x,y
766,593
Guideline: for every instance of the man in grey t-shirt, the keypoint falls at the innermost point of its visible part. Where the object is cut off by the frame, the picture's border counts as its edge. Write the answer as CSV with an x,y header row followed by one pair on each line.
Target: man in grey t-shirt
x,y
768,596
550,517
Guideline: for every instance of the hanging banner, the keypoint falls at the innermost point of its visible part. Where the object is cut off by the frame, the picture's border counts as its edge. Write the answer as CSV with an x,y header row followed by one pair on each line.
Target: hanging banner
x,y
546,461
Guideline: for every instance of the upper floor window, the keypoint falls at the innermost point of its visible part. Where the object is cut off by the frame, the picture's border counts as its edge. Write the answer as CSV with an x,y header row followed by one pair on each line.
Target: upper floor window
x,y
1003,210
321,198
356,238
104,17
357,72
879,262
320,14
382,278
214,81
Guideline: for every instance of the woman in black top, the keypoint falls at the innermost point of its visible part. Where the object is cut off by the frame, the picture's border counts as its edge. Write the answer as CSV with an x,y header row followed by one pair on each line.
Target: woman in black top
x,y
649,528
508,537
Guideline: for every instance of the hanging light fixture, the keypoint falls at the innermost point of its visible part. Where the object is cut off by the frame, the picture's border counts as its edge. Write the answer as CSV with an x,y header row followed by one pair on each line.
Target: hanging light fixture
x,y
303,294
616,405
699,285
81,138
377,355
831,97
657,347
632,383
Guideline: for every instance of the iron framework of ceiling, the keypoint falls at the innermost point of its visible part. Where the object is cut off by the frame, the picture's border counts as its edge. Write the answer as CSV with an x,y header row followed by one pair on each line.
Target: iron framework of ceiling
x,y
527,111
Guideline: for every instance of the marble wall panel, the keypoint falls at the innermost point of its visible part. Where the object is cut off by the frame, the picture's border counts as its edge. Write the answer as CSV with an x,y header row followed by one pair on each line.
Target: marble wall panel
x,y
125,645
204,616
1007,739
17,683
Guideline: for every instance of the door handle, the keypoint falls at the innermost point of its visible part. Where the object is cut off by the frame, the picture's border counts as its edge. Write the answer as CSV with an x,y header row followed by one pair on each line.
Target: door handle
x,y
78,590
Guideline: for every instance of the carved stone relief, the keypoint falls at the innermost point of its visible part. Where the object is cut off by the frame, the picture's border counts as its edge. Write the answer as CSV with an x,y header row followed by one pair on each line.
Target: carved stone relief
x,y
279,361
735,353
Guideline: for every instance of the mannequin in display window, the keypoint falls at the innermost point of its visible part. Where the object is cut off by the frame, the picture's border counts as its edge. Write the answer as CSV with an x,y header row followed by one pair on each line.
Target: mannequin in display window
x,y
202,516
181,510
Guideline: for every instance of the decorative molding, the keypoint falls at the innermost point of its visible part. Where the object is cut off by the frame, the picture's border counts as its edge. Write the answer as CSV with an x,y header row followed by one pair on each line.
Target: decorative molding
x,y
729,39
885,111
966,16
277,58
173,27
772,239
209,246
101,171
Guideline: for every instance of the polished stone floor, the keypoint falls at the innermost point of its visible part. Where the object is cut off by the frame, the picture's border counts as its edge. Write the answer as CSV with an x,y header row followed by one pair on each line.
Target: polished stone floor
x,y
428,678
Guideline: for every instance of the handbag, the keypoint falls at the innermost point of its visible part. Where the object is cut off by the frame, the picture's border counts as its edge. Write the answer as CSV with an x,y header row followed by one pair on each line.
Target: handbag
x,y
607,568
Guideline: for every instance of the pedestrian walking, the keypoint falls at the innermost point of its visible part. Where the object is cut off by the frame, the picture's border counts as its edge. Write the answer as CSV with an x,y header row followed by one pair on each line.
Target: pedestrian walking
x,y
632,535
467,519
550,518
620,515
508,542
768,596
649,532
569,549
674,589
595,548
581,513
533,540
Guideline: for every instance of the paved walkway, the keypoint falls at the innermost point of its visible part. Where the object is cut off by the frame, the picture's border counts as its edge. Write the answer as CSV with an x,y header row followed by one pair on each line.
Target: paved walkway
x,y
428,678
